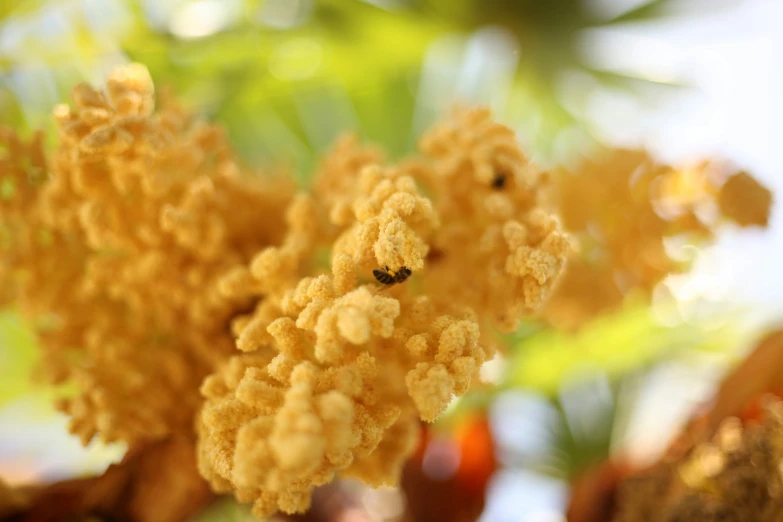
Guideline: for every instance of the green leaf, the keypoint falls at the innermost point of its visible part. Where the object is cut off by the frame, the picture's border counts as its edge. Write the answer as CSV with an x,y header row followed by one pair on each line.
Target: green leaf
x,y
18,355
634,84
225,509
616,344
654,10
18,7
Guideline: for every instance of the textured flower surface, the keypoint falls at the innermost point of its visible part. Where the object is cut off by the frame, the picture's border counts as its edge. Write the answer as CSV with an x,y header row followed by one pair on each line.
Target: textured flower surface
x,y
340,368
499,249
297,337
622,208
115,247
146,257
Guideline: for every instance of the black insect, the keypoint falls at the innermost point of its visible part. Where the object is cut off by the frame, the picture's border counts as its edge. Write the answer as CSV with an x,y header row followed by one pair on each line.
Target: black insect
x,y
384,277
500,181
389,277
402,274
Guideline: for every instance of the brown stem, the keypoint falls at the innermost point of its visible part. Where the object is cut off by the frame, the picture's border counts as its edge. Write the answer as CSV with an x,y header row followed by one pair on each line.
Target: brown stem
x,y
156,482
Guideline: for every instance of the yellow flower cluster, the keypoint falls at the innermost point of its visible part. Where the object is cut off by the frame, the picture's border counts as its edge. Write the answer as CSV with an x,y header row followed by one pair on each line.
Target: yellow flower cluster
x,y
337,370
139,248
745,201
622,207
115,248
22,170
499,250
145,256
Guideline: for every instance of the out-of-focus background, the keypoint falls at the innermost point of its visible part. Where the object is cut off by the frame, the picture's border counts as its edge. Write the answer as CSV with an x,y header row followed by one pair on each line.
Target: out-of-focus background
x,y
686,79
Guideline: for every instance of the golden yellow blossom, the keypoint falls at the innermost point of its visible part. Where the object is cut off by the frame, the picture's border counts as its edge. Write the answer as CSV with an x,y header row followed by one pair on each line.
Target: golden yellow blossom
x,y
392,224
335,182
745,201
622,207
339,371
185,296
161,250
498,250
118,254
23,170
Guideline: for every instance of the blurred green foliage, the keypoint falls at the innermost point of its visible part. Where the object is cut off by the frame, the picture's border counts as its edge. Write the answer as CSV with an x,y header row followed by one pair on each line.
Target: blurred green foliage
x,y
287,76
226,510
617,344
17,357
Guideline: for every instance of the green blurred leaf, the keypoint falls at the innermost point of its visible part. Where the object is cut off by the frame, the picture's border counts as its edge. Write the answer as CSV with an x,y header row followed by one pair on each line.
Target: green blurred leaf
x,y
616,344
575,451
646,11
225,509
16,7
266,84
17,357
634,84
653,10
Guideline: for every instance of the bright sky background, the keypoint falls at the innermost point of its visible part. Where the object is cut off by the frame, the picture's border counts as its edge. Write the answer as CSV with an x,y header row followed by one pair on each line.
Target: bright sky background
x,y
734,58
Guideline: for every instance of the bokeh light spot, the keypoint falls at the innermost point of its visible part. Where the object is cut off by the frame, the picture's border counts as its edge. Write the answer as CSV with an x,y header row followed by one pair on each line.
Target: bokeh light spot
x,y
285,14
384,503
199,19
441,460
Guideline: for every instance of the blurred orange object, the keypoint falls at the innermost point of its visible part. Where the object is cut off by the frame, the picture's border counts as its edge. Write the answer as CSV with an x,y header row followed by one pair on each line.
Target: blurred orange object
x,y
157,482
477,455
441,491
